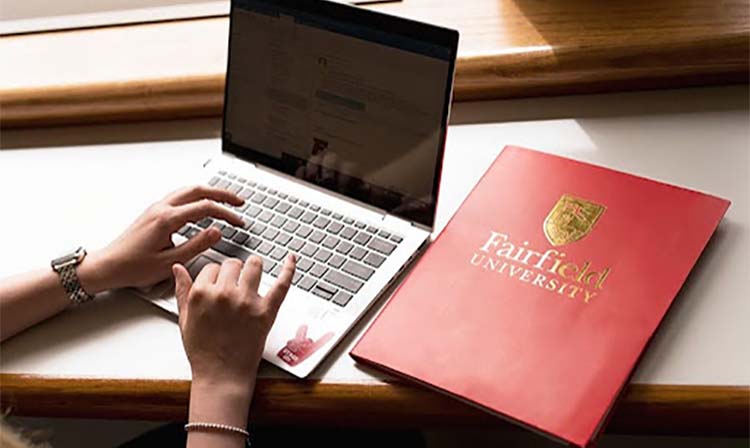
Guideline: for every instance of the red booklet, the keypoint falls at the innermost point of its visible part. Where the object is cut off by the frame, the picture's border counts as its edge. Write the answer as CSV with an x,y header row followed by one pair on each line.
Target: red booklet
x,y
537,300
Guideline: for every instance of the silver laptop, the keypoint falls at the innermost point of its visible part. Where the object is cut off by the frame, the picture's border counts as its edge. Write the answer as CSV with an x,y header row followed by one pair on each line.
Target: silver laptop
x,y
334,129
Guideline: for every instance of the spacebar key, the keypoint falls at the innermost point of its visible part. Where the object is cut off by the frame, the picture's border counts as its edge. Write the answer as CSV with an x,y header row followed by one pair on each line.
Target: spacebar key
x,y
342,281
230,250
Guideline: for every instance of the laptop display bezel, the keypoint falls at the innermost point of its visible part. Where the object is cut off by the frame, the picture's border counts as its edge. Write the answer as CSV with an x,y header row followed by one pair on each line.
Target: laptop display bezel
x,y
432,34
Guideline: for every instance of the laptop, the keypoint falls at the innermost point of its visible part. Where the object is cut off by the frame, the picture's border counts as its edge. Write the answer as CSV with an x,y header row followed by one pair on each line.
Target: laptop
x,y
334,129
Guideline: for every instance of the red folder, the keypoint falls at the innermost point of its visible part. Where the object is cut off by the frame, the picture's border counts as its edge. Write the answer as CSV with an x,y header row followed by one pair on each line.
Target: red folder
x,y
537,300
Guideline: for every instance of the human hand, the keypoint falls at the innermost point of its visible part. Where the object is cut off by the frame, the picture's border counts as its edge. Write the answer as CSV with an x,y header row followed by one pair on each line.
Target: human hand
x,y
144,254
223,319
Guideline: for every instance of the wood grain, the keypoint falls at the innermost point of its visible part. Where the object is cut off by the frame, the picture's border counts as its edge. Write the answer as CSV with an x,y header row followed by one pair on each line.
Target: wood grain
x,y
643,409
509,48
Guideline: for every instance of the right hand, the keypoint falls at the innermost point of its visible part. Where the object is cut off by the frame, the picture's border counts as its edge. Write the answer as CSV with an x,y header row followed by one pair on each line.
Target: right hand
x,y
224,321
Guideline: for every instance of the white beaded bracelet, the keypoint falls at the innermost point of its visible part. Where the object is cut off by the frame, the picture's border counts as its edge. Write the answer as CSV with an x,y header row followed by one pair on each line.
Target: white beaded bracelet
x,y
218,427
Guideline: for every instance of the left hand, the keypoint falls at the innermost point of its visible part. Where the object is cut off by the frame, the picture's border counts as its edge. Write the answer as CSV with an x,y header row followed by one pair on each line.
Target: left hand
x,y
144,254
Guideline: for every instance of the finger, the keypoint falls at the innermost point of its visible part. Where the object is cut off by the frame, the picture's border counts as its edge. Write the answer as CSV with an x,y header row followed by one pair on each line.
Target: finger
x,y
277,293
229,273
251,273
197,192
208,275
182,285
194,246
195,211
301,332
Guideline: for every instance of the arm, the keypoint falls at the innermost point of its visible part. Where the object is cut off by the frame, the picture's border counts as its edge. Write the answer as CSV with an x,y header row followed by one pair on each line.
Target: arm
x,y
224,324
141,256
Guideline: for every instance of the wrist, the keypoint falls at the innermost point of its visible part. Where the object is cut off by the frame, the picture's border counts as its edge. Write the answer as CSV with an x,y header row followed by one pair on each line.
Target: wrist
x,y
221,401
92,273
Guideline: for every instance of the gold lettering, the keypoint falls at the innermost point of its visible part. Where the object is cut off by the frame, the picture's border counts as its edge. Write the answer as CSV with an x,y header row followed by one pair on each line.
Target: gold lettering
x,y
589,296
567,266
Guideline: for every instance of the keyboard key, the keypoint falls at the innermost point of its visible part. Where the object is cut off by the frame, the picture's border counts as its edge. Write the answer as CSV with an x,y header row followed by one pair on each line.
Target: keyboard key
x,y
262,187
360,225
295,212
326,212
258,228
296,245
362,238
230,250
246,193
281,195
295,278
234,188
330,242
265,216
232,176
336,261
304,264
253,242
303,203
306,283
283,207
384,234
191,232
205,222
308,217
258,198
240,238
323,255
241,180
308,249
374,259
270,233
317,236
321,222
276,270
372,229
337,216
336,278
291,226
223,183
265,248
214,180
283,238
228,232
253,211
184,230
334,228
292,199
303,232
344,247
271,191
381,246
342,298
270,202
278,253
349,221
278,221
268,264
324,291
358,253
348,233
314,207
223,173
251,183
218,225
358,270
318,270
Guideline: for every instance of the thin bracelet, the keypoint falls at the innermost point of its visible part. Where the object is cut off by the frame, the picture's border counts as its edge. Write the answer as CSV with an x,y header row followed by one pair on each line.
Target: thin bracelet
x,y
219,428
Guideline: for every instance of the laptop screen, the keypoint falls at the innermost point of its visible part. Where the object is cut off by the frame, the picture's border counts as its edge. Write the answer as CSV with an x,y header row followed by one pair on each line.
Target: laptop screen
x,y
348,99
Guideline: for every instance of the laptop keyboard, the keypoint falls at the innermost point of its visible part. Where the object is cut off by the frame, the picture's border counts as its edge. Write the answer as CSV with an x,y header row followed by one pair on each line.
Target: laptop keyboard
x,y
336,254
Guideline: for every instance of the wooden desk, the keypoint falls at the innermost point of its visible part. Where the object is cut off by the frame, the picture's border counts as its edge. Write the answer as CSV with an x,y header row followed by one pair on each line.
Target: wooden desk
x,y
508,48
122,358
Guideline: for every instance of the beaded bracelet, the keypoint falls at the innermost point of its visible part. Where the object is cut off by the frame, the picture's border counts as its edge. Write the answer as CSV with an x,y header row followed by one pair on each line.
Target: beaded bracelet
x,y
219,428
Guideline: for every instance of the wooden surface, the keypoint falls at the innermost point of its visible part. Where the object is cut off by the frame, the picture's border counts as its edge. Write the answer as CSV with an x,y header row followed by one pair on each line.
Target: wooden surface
x,y
508,49
643,409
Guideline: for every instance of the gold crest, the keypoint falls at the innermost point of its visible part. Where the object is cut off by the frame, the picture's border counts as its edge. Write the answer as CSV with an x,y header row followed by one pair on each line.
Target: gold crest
x,y
571,219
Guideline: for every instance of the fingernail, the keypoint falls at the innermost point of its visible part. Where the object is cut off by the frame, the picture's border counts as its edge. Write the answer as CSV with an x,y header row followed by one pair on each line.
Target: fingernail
x,y
292,258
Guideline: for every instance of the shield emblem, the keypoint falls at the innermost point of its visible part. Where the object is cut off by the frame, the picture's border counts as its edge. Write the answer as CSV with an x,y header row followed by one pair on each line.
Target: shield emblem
x,y
571,219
